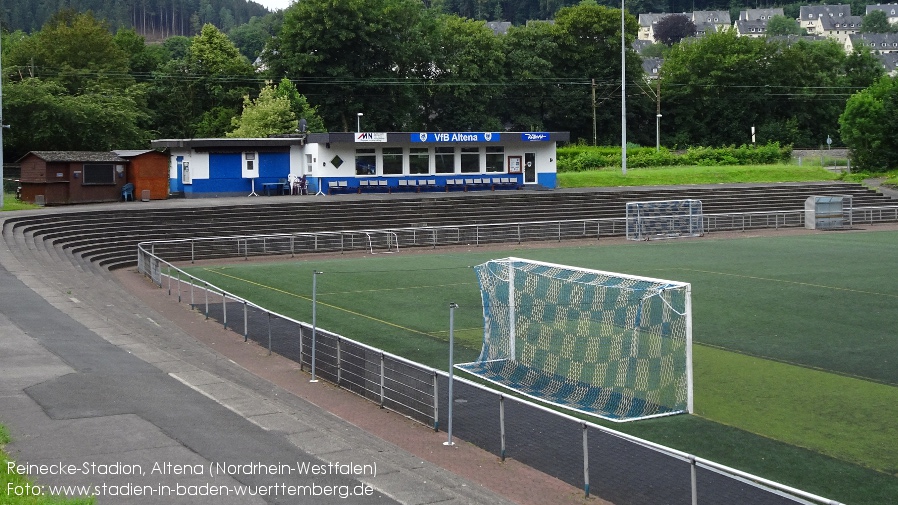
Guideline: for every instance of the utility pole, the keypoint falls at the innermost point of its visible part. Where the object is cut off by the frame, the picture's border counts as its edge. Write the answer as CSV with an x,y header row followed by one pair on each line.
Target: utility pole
x,y
594,133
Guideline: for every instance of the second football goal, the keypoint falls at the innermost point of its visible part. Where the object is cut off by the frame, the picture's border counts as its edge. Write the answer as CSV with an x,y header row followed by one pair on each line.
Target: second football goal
x,y
612,345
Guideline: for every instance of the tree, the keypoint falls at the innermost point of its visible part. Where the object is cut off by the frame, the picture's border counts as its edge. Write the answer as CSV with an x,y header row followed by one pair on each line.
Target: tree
x,y
588,38
44,116
300,106
876,22
461,80
674,28
781,26
355,56
868,124
267,115
75,50
198,95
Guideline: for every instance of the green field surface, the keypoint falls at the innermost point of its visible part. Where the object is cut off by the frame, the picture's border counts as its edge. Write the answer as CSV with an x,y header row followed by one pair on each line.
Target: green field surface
x,y
795,363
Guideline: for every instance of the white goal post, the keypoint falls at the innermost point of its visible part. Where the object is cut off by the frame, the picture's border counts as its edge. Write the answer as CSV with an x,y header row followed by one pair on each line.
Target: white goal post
x,y
664,219
611,345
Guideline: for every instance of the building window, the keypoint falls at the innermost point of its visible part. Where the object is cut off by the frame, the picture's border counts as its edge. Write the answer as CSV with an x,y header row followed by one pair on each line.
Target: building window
x,y
309,161
470,160
444,160
419,160
365,162
250,159
392,160
495,159
98,174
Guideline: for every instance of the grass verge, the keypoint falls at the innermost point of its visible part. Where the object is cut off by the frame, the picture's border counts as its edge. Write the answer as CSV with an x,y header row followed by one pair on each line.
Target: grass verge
x,y
694,175
15,481
10,203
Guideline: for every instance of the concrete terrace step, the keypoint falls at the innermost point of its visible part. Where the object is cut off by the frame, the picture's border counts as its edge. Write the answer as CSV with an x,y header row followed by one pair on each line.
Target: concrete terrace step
x,y
108,236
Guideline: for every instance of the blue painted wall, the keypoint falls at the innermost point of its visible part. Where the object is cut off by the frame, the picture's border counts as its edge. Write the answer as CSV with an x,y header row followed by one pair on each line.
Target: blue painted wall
x,y
226,174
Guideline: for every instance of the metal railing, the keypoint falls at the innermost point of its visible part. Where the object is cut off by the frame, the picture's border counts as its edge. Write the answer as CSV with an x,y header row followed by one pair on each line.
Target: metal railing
x,y
605,462
392,239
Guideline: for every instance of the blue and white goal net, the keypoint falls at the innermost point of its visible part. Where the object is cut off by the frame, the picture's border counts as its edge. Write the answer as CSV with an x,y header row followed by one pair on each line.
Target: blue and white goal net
x,y
664,219
611,345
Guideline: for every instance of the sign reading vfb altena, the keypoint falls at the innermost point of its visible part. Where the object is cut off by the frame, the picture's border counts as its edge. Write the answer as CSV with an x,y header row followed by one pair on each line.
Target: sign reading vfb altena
x,y
476,137
455,137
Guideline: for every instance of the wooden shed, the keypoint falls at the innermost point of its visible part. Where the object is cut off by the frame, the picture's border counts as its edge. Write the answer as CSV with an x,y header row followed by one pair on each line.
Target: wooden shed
x,y
65,177
148,171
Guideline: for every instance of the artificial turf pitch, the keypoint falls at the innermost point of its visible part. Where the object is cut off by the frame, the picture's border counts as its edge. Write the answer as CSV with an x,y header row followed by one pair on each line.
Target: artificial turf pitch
x,y
796,356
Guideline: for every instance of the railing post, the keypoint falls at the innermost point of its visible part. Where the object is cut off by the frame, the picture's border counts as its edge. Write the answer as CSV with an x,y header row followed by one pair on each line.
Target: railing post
x,y
452,307
206,290
694,480
502,426
382,384
300,349
179,286
224,309
436,402
245,322
269,333
339,357
585,461
314,320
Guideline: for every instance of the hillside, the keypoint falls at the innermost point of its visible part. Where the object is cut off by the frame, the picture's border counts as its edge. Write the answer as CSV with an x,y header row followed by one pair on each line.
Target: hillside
x,y
155,19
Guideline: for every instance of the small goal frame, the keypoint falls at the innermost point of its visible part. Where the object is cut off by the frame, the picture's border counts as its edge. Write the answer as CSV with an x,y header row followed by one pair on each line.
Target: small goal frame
x,y
664,219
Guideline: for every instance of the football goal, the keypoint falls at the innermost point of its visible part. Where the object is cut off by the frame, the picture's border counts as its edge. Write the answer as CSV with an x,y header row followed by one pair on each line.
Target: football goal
x,y
664,219
611,345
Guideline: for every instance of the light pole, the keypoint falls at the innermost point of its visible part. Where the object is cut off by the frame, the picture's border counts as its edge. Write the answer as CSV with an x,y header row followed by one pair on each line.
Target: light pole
x,y
452,307
358,123
657,132
623,89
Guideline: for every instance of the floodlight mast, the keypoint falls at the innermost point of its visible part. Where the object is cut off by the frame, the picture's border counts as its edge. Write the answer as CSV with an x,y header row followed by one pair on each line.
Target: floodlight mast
x,y
623,90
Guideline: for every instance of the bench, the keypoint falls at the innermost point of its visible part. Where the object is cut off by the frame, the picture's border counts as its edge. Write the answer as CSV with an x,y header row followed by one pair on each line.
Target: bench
x,y
335,186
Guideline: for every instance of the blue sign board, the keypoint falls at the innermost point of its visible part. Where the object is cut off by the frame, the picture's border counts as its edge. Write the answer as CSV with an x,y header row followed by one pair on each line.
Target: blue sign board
x,y
535,137
455,137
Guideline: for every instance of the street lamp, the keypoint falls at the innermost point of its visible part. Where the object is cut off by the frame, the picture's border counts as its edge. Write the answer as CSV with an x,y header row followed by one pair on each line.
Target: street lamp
x,y
658,132
358,123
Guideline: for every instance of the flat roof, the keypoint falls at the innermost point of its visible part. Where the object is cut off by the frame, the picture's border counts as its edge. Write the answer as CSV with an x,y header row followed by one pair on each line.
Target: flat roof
x,y
286,140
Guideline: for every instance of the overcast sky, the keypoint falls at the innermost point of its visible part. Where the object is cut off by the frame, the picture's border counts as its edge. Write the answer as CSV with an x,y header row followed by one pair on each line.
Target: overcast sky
x,y
274,4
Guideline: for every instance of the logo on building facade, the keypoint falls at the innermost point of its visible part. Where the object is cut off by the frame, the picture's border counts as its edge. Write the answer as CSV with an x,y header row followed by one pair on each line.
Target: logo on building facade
x,y
371,137
535,137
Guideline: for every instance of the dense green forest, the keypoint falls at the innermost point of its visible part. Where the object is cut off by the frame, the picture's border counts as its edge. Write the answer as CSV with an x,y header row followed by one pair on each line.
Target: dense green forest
x,y
80,83
155,19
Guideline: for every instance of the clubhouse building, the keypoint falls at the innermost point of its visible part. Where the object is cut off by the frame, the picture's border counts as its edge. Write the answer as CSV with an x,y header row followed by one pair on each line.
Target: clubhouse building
x,y
331,163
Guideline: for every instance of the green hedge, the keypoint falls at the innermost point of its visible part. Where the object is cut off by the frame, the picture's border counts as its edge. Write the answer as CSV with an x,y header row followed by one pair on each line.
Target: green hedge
x,y
579,158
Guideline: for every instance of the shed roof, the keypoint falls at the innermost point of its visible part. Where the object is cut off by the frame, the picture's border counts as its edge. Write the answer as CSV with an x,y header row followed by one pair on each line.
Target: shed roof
x,y
77,156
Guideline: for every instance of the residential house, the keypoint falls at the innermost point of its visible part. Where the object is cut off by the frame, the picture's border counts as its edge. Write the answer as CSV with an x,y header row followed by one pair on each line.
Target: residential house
x,y
890,62
891,11
838,28
755,28
651,67
810,14
719,19
647,24
760,14
498,27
